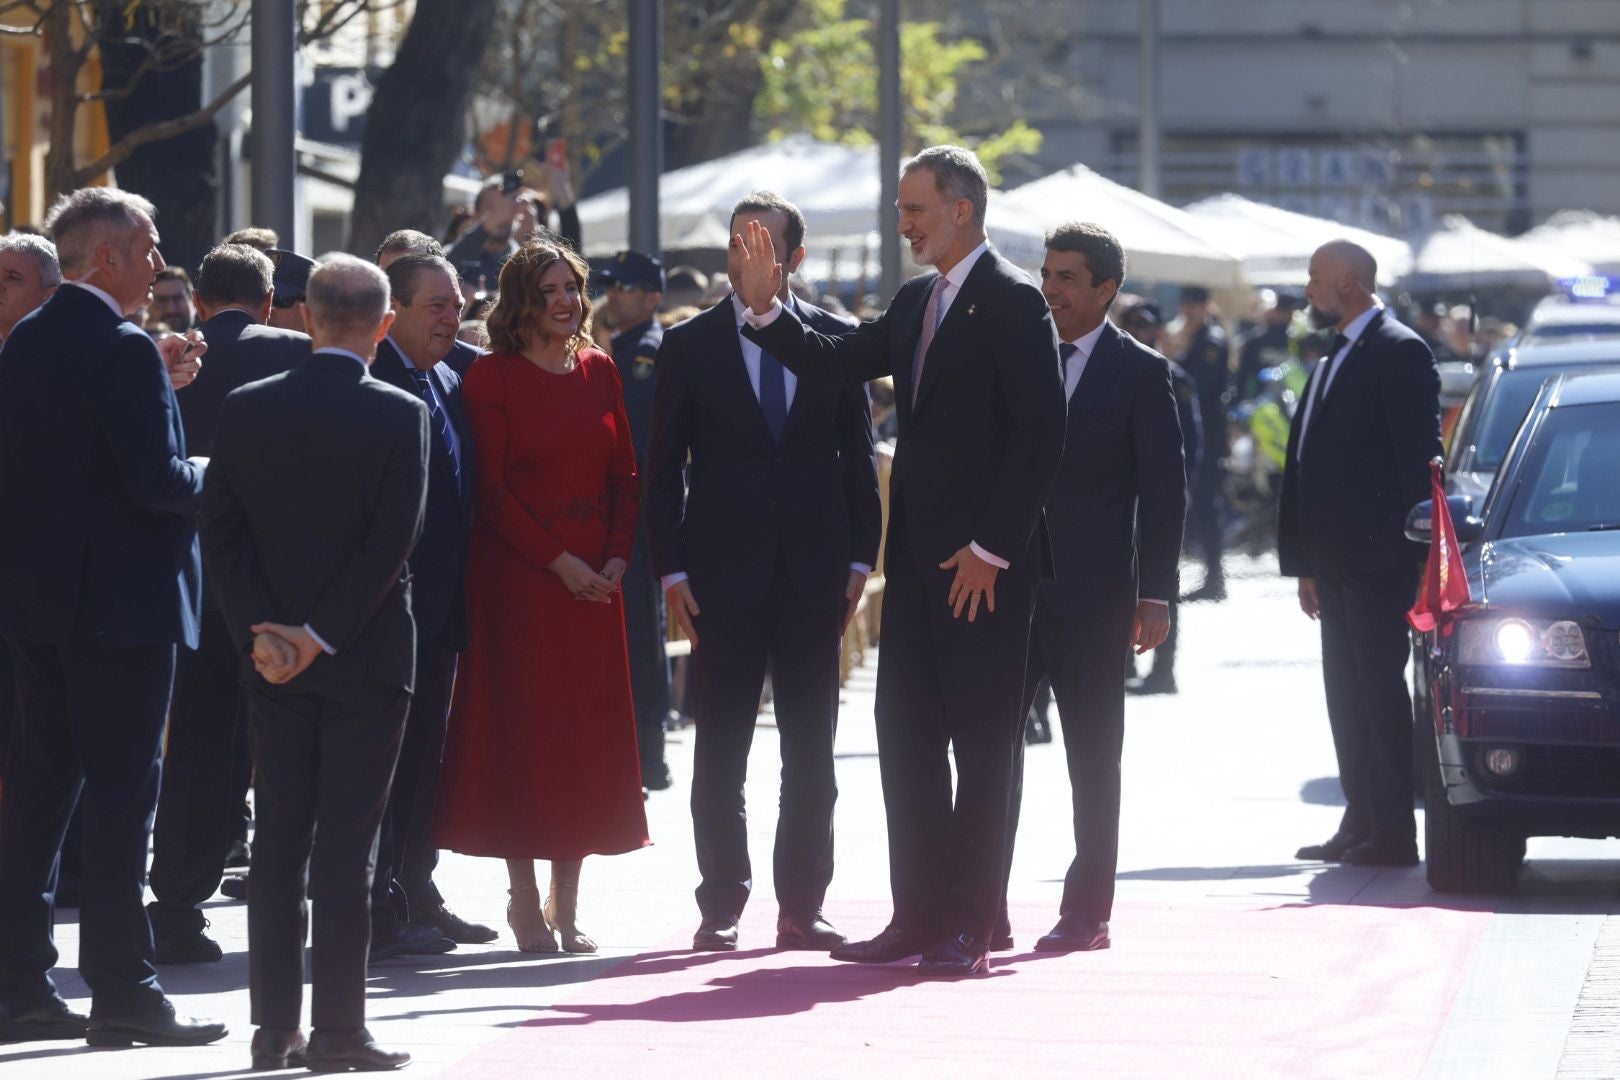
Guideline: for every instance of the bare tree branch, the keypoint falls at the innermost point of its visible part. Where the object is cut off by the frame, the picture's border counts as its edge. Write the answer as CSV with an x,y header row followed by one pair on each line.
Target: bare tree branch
x,y
166,129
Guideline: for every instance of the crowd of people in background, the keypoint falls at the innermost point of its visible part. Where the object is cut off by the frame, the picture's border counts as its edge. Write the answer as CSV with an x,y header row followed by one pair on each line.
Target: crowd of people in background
x,y
448,506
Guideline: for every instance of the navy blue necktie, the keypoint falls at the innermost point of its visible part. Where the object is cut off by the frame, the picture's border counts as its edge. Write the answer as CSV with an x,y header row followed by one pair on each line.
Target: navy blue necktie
x,y
1066,351
440,422
773,394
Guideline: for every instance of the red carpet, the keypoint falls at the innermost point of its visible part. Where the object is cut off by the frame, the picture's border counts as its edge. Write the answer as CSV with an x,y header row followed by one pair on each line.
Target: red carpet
x,y
1310,991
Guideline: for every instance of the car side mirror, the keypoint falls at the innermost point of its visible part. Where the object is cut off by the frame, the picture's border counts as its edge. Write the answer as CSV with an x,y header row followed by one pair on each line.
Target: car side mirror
x,y
1420,521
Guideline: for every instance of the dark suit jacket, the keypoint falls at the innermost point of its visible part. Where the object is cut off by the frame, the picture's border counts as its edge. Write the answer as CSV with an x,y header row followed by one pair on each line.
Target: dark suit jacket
x,y
1365,461
977,455
314,500
240,351
1117,507
97,542
635,352
814,498
461,358
439,561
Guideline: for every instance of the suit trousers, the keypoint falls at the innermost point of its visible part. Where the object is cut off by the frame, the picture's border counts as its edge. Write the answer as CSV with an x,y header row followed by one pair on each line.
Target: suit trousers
x,y
799,644
200,806
645,631
402,888
89,722
1085,659
946,687
322,779
1365,646
1204,510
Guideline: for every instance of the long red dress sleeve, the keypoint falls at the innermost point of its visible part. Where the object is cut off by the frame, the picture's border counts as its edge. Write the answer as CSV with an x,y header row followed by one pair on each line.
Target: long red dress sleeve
x,y
624,485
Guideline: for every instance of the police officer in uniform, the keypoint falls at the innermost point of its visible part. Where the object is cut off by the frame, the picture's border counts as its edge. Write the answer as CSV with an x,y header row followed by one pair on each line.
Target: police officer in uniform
x,y
635,284
1268,345
1205,360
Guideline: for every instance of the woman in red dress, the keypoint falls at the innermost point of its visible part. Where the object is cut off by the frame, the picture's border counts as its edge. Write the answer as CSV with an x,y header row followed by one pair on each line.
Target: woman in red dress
x,y
540,761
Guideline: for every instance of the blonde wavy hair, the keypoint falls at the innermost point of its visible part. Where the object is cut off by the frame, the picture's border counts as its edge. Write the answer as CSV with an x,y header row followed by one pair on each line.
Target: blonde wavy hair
x,y
519,306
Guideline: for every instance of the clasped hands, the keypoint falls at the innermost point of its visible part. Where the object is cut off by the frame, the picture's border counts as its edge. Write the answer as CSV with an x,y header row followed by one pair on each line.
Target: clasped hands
x,y
281,653
585,583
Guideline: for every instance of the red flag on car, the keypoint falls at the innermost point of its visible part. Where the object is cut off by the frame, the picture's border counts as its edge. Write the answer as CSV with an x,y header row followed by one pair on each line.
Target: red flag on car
x,y
1445,584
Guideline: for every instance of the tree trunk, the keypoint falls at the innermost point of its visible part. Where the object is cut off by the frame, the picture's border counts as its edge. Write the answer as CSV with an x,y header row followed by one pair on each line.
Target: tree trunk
x,y
177,174
61,170
416,123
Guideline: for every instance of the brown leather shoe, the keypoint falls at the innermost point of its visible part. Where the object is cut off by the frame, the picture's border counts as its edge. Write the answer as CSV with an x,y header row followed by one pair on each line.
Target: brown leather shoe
x,y
810,932
279,1048
891,944
353,1049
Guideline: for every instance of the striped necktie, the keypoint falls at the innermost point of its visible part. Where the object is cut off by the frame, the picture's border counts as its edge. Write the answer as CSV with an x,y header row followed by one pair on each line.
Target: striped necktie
x,y
440,422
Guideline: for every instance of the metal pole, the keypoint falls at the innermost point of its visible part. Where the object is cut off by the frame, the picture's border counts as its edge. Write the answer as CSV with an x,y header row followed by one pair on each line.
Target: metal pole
x,y
646,131
275,163
890,130
1147,131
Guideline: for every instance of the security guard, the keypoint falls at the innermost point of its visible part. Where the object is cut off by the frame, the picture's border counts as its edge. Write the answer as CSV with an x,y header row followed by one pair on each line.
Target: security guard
x,y
635,284
1205,359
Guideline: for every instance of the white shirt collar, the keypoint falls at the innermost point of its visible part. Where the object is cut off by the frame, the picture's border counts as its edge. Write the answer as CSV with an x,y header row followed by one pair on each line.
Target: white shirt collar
x,y
958,273
1087,343
356,357
406,362
737,308
1359,323
106,297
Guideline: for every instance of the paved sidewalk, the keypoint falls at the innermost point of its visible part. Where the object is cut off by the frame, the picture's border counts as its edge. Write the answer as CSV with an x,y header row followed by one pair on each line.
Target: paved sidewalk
x,y
1222,783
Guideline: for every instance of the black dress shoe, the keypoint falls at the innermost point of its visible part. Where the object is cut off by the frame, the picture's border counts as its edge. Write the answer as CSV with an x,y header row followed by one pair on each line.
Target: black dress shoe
x,y
1210,590
959,956
1075,934
277,1048
234,887
1151,684
459,930
891,944
1374,853
1002,939
158,1026
1332,850
407,939
50,1019
718,934
656,777
356,1050
812,932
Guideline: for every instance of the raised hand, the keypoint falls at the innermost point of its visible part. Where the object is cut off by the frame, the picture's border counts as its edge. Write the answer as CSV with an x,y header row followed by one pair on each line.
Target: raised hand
x,y
759,274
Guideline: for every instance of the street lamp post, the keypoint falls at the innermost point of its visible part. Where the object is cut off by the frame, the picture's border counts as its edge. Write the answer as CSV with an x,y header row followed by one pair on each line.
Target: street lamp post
x,y
275,163
646,130
889,139
1147,130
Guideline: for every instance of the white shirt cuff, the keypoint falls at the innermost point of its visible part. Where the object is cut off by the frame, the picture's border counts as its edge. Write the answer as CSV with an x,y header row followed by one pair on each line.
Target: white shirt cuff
x,y
758,321
1150,600
862,567
994,560
327,649
669,581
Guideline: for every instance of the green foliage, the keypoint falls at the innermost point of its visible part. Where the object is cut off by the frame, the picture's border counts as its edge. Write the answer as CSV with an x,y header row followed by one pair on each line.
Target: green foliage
x,y
823,81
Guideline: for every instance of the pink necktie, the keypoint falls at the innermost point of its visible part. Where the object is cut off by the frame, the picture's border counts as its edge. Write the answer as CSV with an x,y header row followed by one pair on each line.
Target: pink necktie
x,y
930,324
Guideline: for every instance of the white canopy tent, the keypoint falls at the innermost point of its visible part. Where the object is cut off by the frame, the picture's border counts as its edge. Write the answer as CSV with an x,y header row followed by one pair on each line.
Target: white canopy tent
x,y
1276,244
1584,234
1460,255
1162,244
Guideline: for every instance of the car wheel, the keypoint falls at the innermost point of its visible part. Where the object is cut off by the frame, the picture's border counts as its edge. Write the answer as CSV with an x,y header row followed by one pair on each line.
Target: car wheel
x,y
1460,856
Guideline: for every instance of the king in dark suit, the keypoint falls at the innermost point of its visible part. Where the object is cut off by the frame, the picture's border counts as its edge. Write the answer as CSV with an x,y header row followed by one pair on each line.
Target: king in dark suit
x,y
973,354
1115,516
408,915
763,559
99,581
314,500
1358,461
205,770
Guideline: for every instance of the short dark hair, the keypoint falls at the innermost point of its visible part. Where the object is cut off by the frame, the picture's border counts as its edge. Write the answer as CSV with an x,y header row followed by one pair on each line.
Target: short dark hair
x,y
1104,256
409,240
958,174
172,273
404,274
766,202
254,236
235,274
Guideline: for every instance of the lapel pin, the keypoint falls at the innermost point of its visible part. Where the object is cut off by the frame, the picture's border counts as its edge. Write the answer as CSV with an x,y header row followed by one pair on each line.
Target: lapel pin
x,y
971,309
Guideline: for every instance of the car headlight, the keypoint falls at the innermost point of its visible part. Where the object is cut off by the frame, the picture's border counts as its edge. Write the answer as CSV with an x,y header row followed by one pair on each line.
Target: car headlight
x,y
1522,642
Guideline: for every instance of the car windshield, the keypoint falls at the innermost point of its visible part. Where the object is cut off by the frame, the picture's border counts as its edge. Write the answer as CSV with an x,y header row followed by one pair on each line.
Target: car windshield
x,y
1501,413
1571,474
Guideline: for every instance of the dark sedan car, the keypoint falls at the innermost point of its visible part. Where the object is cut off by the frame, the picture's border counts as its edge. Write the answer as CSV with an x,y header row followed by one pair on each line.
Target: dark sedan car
x,y
1522,684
